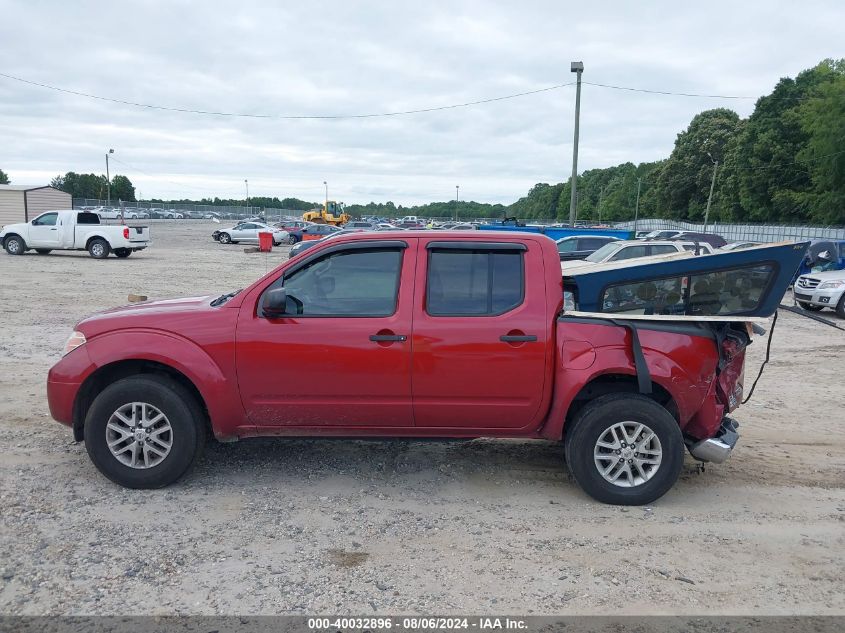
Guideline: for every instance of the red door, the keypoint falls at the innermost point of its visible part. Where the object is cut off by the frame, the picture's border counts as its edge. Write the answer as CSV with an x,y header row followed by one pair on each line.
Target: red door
x,y
343,356
480,335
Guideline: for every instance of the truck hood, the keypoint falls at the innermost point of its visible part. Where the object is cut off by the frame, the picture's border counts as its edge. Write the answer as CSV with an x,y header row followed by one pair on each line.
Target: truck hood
x,y
177,315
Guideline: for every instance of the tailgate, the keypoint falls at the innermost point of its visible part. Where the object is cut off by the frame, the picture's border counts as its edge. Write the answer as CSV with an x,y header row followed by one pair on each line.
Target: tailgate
x,y
139,234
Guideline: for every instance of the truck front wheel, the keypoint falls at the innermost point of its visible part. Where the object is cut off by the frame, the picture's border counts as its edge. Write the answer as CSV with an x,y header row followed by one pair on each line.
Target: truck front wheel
x,y
14,245
624,449
145,431
99,249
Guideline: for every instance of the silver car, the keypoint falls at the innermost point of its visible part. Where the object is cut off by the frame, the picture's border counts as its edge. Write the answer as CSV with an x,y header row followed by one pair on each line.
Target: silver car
x,y
248,232
815,291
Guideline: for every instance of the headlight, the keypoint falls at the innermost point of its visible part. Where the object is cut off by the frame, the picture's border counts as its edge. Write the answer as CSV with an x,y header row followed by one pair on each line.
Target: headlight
x,y
73,341
831,284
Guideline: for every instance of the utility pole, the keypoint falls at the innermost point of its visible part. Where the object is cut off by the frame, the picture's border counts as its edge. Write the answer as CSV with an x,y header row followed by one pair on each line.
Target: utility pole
x,y
246,183
575,67
710,197
637,208
601,197
108,179
326,184
457,197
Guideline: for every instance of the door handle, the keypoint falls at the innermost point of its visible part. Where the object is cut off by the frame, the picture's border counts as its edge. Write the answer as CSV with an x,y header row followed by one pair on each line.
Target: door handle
x,y
378,338
54,229
518,338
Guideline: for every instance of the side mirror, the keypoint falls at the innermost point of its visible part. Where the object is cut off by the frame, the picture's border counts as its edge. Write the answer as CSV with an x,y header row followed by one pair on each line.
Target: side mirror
x,y
274,303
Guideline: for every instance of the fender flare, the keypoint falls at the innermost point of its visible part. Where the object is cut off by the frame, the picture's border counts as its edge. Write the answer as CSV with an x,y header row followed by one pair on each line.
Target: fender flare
x,y
219,392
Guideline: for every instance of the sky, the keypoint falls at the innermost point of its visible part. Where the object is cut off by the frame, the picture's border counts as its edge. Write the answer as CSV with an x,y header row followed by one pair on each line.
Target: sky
x,y
348,58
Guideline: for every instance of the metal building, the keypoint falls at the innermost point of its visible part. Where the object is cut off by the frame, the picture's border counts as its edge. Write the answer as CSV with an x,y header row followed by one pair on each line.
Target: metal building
x,y
21,203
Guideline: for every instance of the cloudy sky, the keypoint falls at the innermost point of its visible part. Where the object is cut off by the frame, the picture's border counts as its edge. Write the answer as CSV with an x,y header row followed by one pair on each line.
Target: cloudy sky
x,y
315,58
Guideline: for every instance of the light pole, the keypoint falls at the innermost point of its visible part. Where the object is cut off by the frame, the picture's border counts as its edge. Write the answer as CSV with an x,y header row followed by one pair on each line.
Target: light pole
x,y
637,208
712,184
457,197
601,197
575,67
108,179
246,184
327,195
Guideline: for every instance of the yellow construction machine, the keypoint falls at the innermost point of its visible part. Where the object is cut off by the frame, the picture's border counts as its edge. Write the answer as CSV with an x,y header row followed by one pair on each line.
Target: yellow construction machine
x,y
331,213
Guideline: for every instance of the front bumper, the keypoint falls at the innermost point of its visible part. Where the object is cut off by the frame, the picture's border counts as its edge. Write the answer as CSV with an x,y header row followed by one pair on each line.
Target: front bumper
x,y
827,298
719,447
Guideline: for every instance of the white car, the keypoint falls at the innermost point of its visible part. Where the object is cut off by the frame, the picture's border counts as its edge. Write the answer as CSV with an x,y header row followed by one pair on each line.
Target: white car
x,y
136,214
632,249
73,231
248,232
815,291
108,214
173,214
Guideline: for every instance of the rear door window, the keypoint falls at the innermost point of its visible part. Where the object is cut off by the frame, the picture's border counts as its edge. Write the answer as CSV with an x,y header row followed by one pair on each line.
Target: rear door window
x,y
629,252
474,282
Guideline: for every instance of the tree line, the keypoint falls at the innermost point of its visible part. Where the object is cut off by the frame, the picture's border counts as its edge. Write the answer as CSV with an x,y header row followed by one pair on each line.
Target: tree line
x,y
783,163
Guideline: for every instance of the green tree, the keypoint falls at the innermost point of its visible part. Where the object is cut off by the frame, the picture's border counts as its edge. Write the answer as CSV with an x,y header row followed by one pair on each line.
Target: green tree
x,y
822,119
772,184
122,189
684,182
4,179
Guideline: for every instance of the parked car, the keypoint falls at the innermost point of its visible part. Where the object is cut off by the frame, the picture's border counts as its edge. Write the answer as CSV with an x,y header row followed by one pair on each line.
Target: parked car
x,y
821,256
73,231
816,291
734,246
386,226
716,241
463,227
157,214
248,232
143,384
581,246
172,214
304,245
630,249
108,214
136,214
361,224
660,234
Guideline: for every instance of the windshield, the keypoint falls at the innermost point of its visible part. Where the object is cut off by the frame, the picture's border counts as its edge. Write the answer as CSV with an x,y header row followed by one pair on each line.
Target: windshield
x,y
604,252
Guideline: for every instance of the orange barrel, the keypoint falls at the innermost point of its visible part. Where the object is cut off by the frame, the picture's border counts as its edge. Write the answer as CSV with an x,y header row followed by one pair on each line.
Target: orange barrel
x,y
265,242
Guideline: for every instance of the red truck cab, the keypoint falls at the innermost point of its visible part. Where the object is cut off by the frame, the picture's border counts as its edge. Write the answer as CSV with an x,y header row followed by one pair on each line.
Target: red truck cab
x,y
397,334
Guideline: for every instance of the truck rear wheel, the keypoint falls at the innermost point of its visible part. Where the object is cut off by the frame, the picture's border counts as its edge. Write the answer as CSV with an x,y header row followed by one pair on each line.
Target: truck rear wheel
x,y
624,449
144,431
99,248
14,245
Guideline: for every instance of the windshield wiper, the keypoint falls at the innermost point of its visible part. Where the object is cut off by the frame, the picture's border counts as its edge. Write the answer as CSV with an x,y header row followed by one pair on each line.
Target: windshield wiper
x,y
224,298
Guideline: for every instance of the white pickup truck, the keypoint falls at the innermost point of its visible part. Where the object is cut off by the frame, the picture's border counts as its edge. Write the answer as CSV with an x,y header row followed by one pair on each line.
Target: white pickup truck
x,y
73,230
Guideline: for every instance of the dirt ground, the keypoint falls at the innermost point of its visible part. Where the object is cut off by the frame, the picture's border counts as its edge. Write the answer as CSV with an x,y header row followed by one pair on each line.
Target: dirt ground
x,y
310,526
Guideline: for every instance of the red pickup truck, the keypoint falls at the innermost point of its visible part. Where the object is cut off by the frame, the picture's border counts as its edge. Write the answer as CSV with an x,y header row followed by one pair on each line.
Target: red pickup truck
x,y
397,334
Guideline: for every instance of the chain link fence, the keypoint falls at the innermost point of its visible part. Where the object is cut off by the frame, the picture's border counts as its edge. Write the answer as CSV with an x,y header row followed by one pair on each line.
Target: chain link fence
x,y
745,232
182,211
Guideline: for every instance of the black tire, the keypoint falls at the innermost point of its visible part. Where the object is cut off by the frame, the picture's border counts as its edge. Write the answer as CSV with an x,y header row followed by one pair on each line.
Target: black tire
x,y
809,307
43,251
181,411
99,248
599,416
14,245
122,252
224,238
840,307
292,239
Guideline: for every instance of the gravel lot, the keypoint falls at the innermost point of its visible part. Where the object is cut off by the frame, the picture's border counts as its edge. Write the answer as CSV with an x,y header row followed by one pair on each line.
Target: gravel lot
x,y
306,526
